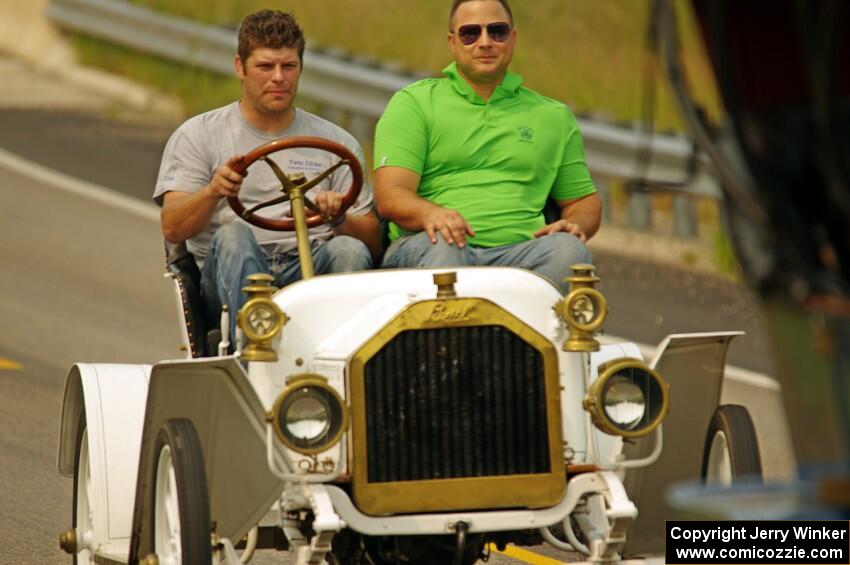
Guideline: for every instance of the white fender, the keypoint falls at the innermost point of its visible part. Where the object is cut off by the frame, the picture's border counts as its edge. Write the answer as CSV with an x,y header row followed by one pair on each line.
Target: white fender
x,y
214,393
112,398
693,365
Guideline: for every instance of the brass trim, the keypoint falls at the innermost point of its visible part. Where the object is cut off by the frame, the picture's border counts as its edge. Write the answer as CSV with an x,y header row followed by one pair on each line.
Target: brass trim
x,y
297,382
466,494
446,284
508,491
302,232
582,287
260,301
593,401
600,307
68,541
259,291
583,275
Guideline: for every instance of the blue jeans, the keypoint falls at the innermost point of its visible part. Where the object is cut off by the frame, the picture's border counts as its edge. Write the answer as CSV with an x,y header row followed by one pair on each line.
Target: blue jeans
x,y
550,255
234,254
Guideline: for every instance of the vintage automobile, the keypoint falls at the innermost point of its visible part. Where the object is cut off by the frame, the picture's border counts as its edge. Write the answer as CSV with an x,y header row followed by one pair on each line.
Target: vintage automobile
x,y
392,416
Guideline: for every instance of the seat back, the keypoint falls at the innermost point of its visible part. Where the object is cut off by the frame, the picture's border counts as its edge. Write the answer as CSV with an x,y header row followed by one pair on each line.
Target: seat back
x,y
200,334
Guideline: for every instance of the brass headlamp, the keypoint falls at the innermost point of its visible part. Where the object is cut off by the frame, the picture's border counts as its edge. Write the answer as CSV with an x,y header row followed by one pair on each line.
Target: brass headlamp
x,y
309,416
628,399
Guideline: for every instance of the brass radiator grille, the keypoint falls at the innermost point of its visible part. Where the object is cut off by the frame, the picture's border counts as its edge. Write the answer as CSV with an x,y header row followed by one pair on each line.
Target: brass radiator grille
x,y
455,402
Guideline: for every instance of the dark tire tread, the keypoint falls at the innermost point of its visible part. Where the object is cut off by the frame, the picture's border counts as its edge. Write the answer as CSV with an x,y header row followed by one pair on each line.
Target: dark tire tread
x,y
193,499
82,429
737,425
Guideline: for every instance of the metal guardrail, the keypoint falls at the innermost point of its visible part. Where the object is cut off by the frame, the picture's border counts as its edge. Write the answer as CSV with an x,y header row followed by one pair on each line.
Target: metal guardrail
x,y
358,91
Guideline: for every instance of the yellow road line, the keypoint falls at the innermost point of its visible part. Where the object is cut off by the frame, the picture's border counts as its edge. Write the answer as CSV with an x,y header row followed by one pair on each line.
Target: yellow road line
x,y
526,556
9,365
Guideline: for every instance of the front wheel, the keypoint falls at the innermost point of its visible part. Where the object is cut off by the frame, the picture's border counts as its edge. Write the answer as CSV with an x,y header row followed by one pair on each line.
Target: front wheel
x,y
181,508
82,513
731,447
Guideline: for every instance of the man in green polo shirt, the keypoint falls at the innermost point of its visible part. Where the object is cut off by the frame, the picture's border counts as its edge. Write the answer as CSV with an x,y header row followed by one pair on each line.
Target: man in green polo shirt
x,y
465,163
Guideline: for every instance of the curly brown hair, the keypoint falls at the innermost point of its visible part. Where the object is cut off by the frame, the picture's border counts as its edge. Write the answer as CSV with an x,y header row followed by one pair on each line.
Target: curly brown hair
x,y
272,29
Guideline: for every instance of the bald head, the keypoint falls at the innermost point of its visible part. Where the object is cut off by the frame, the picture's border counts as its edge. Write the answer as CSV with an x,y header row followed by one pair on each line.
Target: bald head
x,y
456,4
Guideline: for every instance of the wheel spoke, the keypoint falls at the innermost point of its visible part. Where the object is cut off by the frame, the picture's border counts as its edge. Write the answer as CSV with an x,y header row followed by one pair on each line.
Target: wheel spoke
x,y
167,511
720,461
173,517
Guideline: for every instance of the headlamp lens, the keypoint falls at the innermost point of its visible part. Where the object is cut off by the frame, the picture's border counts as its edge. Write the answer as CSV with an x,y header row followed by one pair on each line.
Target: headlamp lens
x,y
624,402
310,416
307,417
628,398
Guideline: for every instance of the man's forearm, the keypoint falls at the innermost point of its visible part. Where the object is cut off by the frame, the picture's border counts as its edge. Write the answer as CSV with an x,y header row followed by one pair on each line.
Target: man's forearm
x,y
404,208
586,213
185,215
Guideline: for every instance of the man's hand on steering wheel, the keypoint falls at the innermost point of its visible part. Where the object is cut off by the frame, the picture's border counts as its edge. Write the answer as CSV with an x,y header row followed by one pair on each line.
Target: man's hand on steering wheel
x,y
225,181
323,213
329,204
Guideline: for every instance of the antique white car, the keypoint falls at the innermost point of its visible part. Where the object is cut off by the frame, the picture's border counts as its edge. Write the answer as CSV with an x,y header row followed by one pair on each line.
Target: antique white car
x,y
393,416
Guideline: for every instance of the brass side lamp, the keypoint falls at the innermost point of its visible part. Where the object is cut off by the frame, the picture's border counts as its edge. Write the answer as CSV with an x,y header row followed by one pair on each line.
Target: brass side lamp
x,y
260,319
584,309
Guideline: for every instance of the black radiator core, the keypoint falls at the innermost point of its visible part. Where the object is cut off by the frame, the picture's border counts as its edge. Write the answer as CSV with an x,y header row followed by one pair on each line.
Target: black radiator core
x,y
454,403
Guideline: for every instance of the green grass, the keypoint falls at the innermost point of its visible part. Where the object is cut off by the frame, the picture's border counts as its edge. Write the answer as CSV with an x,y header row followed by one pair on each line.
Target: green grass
x,y
197,89
724,255
589,54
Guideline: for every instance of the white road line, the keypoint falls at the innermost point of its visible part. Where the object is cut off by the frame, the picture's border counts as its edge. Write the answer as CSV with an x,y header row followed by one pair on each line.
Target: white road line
x,y
149,211
97,193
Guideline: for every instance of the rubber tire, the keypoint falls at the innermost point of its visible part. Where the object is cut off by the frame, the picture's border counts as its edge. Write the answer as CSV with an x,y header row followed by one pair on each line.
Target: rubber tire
x,y
82,428
735,423
192,496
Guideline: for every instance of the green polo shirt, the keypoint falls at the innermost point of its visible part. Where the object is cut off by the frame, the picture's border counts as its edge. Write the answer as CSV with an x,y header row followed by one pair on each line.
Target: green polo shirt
x,y
494,161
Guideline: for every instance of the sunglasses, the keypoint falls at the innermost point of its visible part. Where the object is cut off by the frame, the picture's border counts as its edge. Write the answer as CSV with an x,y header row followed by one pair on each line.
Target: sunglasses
x,y
497,31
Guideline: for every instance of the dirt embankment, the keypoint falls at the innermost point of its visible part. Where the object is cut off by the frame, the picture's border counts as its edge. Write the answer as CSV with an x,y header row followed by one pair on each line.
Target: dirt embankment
x,y
27,34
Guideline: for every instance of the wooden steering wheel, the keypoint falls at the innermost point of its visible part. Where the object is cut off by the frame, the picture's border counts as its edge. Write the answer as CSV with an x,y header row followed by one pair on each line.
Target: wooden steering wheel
x,y
347,158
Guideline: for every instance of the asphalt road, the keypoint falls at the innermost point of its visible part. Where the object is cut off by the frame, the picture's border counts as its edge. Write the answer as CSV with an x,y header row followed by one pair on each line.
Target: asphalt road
x,y
81,282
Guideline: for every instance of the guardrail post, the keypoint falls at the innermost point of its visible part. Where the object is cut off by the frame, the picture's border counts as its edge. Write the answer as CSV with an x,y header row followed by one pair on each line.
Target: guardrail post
x,y
684,216
334,114
362,127
640,210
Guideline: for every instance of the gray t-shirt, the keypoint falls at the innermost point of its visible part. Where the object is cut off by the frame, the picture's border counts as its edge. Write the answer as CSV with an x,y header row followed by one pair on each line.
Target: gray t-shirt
x,y
204,142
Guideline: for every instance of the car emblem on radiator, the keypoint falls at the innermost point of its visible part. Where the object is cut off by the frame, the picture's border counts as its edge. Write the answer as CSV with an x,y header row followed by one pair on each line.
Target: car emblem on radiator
x,y
443,312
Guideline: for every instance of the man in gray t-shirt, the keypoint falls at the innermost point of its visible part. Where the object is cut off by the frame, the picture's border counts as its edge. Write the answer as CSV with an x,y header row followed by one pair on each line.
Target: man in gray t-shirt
x,y
196,176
